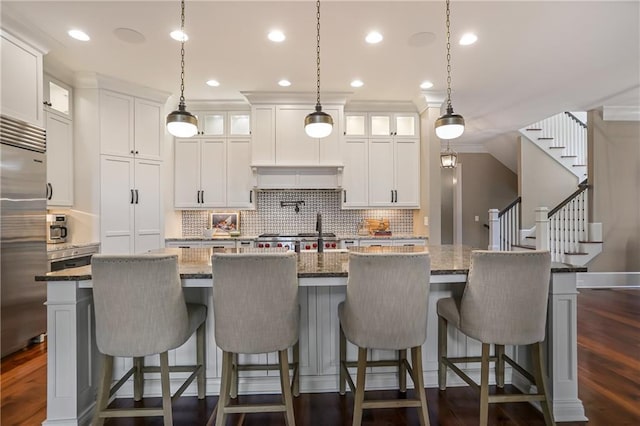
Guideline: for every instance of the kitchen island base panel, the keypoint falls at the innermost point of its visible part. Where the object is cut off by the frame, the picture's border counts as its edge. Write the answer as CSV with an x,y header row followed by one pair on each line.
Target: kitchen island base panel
x,y
73,356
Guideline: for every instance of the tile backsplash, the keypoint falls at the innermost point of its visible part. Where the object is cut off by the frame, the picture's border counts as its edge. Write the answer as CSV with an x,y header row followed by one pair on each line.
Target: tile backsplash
x,y
269,216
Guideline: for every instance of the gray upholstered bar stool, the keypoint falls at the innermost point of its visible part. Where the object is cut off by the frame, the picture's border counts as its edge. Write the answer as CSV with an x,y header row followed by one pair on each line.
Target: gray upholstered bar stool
x,y
255,305
140,310
386,308
504,303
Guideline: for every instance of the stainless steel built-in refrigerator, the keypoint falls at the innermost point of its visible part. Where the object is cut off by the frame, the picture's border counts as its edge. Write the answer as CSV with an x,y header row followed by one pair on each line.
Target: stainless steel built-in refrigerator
x,y
23,247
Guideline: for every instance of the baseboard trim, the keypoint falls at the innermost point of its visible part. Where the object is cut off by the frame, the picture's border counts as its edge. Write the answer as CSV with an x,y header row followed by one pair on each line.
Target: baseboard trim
x,y
608,280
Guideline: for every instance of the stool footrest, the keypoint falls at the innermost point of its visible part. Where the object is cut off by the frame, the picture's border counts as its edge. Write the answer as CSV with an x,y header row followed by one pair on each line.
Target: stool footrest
x,y
131,412
516,398
255,408
391,403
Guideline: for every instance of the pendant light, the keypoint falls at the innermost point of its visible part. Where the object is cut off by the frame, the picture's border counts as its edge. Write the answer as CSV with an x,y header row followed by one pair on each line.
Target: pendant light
x,y
450,125
318,124
448,158
181,123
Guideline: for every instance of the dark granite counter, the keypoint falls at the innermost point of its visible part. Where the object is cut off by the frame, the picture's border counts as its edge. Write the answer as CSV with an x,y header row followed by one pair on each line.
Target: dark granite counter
x,y
195,263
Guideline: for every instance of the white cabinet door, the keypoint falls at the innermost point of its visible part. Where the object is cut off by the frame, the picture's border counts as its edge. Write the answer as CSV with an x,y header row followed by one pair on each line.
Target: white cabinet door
x,y
376,243
117,197
407,175
239,190
148,206
381,172
331,146
406,125
187,173
57,97
239,123
183,244
218,244
116,124
211,123
380,125
213,173
149,133
410,243
356,124
21,80
355,176
59,160
293,146
263,141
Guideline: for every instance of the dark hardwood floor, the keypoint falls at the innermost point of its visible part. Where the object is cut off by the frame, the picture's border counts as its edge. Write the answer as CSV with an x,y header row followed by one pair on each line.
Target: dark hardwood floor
x,y
609,383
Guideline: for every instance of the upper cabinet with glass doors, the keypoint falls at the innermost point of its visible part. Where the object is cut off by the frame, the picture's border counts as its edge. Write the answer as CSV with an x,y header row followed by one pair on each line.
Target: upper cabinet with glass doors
x,y
396,125
57,97
223,123
375,124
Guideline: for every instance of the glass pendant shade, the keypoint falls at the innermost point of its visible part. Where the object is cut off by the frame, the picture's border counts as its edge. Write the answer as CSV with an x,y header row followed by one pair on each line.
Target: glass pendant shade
x,y
448,160
181,123
318,124
450,125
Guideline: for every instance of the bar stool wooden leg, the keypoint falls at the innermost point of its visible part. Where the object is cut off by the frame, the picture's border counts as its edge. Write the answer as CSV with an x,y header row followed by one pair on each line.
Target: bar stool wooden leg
x,y
359,396
402,370
225,387
541,382
442,353
200,359
105,387
343,358
233,389
295,386
166,390
484,385
418,384
138,378
286,387
499,365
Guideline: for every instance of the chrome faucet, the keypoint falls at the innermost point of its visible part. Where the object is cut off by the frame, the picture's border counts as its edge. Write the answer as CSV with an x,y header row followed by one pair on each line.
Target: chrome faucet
x,y
319,229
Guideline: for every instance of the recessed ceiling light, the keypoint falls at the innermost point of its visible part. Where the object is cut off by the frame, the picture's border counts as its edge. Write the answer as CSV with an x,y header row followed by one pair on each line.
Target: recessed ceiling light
x,y
357,83
277,36
373,37
284,83
79,35
179,35
468,38
426,85
213,83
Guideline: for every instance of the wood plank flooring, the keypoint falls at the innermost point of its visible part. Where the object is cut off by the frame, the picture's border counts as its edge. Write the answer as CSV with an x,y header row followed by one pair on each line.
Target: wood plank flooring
x,y
609,383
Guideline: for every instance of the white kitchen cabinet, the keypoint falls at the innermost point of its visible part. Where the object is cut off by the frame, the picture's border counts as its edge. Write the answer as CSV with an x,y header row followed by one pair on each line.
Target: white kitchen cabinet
x,y
21,80
218,244
58,97
200,173
223,123
213,173
130,126
59,160
356,124
355,177
279,138
131,205
388,242
376,243
394,172
403,125
183,244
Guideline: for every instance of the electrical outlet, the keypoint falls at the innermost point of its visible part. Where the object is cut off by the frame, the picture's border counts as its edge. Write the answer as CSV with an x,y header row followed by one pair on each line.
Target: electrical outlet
x,y
426,221
477,218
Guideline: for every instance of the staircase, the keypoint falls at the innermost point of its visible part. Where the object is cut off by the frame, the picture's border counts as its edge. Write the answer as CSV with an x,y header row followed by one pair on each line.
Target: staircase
x,y
564,230
564,138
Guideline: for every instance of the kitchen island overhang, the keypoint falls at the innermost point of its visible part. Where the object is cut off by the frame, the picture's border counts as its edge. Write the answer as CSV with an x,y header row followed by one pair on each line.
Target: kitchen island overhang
x,y
73,356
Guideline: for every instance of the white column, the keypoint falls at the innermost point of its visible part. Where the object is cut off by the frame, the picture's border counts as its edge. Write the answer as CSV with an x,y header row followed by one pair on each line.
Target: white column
x,y
494,230
542,228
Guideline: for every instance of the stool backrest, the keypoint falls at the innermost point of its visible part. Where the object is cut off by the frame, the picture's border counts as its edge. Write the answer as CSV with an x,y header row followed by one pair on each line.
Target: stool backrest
x,y
139,305
255,301
387,295
505,299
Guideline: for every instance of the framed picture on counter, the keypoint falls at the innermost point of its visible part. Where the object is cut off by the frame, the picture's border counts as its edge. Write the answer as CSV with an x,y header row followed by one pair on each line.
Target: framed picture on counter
x,y
225,223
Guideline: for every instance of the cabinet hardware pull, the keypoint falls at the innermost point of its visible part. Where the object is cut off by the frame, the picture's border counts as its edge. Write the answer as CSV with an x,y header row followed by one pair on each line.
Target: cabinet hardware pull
x,y
136,152
136,196
392,195
345,196
131,202
202,196
50,191
131,152
198,198
395,191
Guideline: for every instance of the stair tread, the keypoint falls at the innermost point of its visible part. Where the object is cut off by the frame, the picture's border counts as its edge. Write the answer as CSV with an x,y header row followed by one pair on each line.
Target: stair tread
x,y
591,242
575,252
533,129
579,165
556,147
546,138
532,237
568,156
525,246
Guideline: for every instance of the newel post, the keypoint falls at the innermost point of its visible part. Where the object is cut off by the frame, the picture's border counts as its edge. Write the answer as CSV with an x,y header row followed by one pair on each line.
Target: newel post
x,y
494,230
542,228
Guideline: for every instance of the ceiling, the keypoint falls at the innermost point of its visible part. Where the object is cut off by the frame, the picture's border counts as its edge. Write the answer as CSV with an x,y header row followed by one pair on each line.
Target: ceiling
x,y
532,59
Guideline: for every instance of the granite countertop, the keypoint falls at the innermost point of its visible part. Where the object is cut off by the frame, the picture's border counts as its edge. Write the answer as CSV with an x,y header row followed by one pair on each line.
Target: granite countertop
x,y
402,236
68,246
195,263
230,238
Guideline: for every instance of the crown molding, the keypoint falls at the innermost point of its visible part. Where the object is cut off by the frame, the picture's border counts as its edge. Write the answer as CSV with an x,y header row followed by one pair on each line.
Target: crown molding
x,y
621,113
92,80
306,98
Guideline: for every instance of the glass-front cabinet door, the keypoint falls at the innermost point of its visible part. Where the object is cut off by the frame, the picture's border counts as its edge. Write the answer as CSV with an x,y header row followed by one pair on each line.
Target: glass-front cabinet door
x,y
239,123
57,96
380,124
355,124
211,123
406,125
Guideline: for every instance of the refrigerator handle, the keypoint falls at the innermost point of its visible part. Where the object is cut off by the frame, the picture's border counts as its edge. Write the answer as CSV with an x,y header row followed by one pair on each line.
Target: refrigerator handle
x,y
49,191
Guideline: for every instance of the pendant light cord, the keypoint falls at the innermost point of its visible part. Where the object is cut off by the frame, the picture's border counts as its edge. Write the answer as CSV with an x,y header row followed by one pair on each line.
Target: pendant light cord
x,y
318,53
449,107
182,55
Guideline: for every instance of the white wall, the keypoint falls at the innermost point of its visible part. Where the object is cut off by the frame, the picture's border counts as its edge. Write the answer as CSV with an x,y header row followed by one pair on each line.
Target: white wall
x,y
542,181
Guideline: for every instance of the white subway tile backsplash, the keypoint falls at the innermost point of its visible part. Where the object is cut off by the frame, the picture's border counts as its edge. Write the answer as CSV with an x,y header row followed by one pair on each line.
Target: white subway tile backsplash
x,y
270,217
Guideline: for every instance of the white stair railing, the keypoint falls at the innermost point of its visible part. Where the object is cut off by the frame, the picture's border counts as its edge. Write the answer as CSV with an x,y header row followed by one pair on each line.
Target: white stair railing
x,y
568,224
504,227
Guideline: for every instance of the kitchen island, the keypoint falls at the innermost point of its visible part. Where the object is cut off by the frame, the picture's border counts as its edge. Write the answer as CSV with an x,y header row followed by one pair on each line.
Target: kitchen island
x,y
72,354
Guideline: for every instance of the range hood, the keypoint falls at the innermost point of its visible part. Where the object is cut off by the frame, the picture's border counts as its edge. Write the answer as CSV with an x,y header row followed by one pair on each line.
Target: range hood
x,y
289,177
